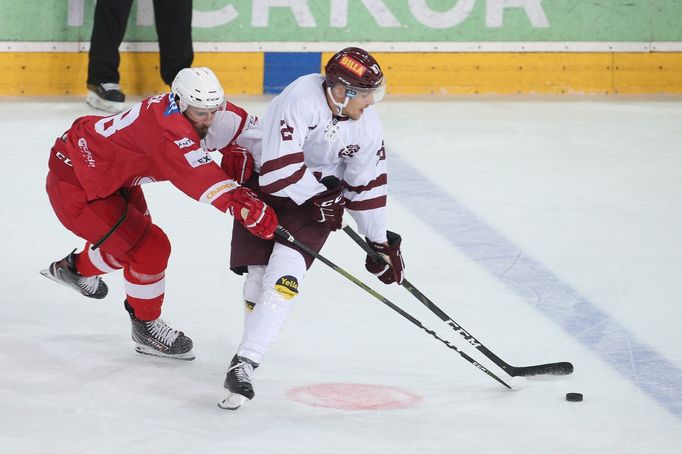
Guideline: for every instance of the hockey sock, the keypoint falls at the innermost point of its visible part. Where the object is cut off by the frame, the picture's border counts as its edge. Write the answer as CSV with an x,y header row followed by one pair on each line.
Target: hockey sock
x,y
95,262
144,293
285,269
144,277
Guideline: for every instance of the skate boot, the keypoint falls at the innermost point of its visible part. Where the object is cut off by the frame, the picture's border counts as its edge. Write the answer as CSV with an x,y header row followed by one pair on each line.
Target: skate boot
x,y
238,388
156,338
64,271
107,97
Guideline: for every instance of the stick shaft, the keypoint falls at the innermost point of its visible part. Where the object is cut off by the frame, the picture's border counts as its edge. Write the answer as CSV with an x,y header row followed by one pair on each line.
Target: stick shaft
x,y
284,234
560,368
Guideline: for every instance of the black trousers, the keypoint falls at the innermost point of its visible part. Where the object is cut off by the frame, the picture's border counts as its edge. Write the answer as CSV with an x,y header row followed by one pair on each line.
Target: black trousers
x,y
173,19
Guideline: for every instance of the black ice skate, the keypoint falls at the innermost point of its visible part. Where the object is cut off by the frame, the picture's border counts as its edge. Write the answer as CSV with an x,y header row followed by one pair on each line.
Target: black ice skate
x,y
156,338
107,97
64,271
238,388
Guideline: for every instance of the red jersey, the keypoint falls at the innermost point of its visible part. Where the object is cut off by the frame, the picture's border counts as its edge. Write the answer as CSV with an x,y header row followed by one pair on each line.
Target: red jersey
x,y
151,141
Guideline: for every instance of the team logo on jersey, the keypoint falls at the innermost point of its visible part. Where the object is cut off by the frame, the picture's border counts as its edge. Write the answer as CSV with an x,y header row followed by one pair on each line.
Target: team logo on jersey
x,y
198,157
184,142
172,106
287,287
353,65
349,151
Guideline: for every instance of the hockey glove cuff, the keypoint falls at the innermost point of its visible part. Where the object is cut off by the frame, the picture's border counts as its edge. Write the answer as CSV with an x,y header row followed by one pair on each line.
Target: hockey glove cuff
x,y
389,267
258,218
328,206
237,162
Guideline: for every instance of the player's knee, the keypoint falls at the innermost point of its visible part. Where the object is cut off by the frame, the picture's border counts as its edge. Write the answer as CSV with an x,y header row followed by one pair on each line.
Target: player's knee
x,y
153,251
253,284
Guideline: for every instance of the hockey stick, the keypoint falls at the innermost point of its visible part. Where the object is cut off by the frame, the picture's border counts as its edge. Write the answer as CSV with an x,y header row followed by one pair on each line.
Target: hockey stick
x,y
560,368
284,234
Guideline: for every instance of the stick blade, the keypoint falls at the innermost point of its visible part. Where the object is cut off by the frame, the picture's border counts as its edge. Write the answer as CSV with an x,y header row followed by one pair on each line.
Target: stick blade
x,y
562,368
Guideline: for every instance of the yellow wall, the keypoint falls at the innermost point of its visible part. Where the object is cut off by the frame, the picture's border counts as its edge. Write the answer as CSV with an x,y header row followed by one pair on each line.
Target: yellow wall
x,y
537,72
32,74
37,74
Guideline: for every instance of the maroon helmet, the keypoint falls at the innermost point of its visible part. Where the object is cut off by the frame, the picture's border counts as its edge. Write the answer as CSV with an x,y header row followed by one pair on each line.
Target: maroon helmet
x,y
357,70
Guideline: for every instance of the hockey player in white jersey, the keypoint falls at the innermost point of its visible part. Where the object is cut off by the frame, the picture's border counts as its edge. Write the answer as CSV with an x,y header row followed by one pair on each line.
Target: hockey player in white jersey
x,y
321,152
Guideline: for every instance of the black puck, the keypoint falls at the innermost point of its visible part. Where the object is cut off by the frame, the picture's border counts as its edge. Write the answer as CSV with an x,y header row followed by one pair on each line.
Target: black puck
x,y
574,397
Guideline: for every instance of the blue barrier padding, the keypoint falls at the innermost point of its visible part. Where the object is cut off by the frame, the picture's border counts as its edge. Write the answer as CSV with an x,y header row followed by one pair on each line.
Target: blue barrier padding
x,y
282,68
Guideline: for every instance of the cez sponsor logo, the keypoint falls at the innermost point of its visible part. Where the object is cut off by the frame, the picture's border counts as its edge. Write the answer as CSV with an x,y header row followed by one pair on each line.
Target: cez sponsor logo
x,y
184,142
85,151
198,157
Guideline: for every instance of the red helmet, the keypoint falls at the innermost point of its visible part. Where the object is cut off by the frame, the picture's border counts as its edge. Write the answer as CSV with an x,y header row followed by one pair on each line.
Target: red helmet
x,y
355,68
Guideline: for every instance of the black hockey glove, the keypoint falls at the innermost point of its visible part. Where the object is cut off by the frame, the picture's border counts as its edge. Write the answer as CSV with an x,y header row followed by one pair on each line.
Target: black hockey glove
x,y
328,206
389,268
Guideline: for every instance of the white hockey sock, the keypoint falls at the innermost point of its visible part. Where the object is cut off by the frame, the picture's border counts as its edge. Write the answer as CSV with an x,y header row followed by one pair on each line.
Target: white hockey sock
x,y
264,324
253,287
280,284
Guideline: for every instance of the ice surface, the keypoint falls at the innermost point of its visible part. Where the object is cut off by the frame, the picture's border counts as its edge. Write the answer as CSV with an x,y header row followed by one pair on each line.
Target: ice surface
x,y
549,229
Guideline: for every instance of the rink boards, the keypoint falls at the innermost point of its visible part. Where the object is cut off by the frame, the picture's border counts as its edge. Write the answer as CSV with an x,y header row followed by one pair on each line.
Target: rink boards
x,y
43,71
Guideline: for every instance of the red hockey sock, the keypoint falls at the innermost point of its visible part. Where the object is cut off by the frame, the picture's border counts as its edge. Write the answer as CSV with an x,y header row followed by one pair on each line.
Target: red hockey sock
x,y
145,275
91,262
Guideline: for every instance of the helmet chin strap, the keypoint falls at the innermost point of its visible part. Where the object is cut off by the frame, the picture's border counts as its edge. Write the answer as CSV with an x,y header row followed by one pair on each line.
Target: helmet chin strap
x,y
338,105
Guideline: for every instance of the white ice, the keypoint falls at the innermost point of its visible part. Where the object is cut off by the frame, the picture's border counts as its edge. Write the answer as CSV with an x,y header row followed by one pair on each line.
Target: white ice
x,y
550,229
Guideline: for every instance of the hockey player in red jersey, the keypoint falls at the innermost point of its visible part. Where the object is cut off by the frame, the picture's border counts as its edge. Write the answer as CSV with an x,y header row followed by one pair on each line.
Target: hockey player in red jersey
x,y
322,153
96,169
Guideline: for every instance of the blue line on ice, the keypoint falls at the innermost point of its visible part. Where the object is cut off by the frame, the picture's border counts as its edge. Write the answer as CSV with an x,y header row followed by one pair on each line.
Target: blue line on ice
x,y
529,279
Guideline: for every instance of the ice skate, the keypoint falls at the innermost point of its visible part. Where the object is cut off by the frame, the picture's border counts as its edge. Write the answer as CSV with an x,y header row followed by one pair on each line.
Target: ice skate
x,y
156,338
238,388
107,97
64,271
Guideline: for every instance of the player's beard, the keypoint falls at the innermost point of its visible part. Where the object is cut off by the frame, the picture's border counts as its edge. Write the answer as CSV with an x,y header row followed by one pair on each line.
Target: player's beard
x,y
201,131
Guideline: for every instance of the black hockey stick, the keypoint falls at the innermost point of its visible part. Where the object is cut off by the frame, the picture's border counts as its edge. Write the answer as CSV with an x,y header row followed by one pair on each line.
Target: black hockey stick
x,y
284,234
561,368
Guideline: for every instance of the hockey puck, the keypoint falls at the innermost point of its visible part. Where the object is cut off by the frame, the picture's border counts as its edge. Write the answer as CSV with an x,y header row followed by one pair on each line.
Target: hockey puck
x,y
574,397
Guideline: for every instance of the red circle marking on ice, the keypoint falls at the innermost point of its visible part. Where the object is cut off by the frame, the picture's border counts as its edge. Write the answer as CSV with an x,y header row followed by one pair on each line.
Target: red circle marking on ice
x,y
353,396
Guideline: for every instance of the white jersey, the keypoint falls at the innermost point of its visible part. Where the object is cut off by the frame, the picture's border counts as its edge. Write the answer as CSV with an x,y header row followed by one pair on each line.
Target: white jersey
x,y
302,142
229,122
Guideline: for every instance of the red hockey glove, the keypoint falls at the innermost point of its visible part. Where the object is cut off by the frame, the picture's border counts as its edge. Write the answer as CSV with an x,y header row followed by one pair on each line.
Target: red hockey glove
x,y
237,162
253,213
390,268
328,206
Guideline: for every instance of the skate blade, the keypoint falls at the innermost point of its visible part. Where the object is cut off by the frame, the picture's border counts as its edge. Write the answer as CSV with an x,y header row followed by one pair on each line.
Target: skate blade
x,y
98,103
144,350
231,401
49,275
